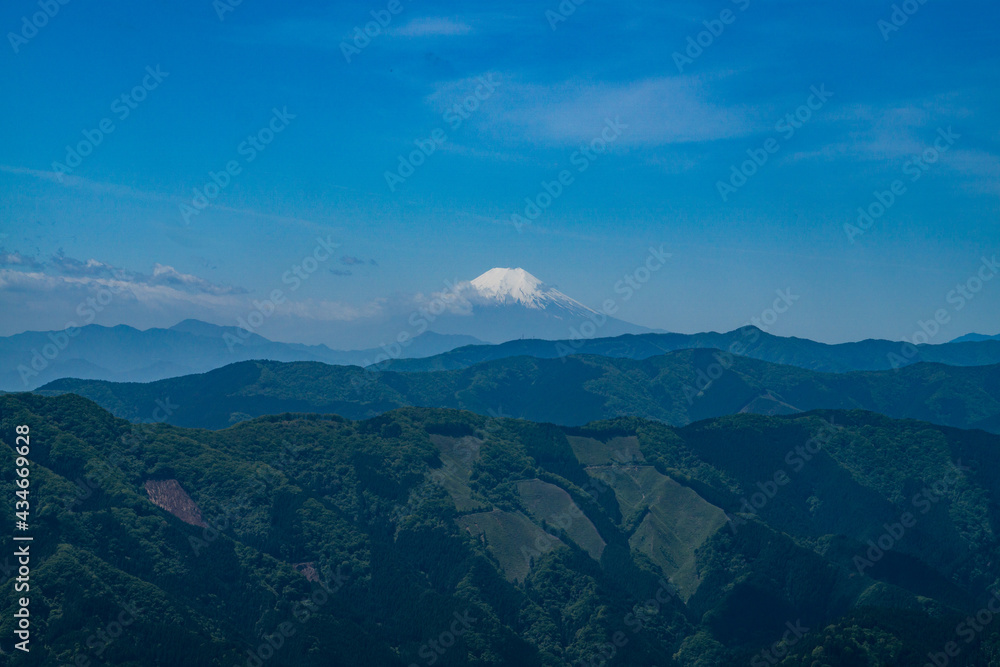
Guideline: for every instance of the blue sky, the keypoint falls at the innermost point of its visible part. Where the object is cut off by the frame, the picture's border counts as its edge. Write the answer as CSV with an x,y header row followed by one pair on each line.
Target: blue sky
x,y
119,214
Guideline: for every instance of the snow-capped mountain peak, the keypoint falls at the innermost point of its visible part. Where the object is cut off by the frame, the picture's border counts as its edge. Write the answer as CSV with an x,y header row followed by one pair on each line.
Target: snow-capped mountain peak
x,y
504,286
506,304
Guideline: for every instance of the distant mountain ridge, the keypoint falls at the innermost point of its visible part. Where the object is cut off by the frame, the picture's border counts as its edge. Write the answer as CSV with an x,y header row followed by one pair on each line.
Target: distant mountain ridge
x,y
749,341
125,354
975,338
677,388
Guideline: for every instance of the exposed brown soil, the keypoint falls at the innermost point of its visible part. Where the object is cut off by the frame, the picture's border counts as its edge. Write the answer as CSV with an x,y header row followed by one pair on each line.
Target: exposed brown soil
x,y
169,495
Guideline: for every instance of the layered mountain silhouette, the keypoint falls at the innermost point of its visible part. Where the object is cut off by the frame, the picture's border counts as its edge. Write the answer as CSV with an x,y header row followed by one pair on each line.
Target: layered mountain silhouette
x,y
125,354
749,341
676,388
505,312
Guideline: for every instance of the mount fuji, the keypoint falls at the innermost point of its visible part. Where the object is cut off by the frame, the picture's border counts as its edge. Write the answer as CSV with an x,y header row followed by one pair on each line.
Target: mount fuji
x,y
506,304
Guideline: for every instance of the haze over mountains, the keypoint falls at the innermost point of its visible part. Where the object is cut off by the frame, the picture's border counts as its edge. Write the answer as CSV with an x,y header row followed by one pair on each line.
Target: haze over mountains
x,y
125,354
499,305
512,311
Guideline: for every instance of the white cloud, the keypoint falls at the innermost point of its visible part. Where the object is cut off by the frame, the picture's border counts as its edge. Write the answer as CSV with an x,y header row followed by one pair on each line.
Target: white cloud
x,y
658,111
64,291
169,276
432,27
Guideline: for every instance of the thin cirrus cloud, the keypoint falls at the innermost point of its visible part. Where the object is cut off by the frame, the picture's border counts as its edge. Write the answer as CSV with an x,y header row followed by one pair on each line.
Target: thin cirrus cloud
x,y
351,260
60,270
71,288
68,286
655,112
897,133
432,27
123,191
329,35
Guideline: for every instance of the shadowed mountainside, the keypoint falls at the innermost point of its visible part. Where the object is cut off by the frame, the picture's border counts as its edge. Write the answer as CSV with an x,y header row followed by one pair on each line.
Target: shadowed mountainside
x,y
368,542
676,388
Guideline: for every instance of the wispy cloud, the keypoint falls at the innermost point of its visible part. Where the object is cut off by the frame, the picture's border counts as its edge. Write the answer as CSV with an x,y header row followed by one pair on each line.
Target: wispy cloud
x,y
432,27
18,260
124,191
62,270
658,111
898,132
66,285
351,260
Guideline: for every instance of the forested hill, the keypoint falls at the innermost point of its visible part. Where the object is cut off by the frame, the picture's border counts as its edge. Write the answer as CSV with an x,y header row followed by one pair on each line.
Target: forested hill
x,y
428,536
676,388
749,341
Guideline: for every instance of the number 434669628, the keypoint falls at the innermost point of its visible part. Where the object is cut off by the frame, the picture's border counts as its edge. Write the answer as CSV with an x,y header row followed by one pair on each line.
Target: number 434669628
x,y
23,448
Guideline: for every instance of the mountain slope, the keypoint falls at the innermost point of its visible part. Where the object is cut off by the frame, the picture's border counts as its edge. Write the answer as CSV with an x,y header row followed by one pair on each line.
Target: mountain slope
x,y
975,338
367,543
676,388
868,355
